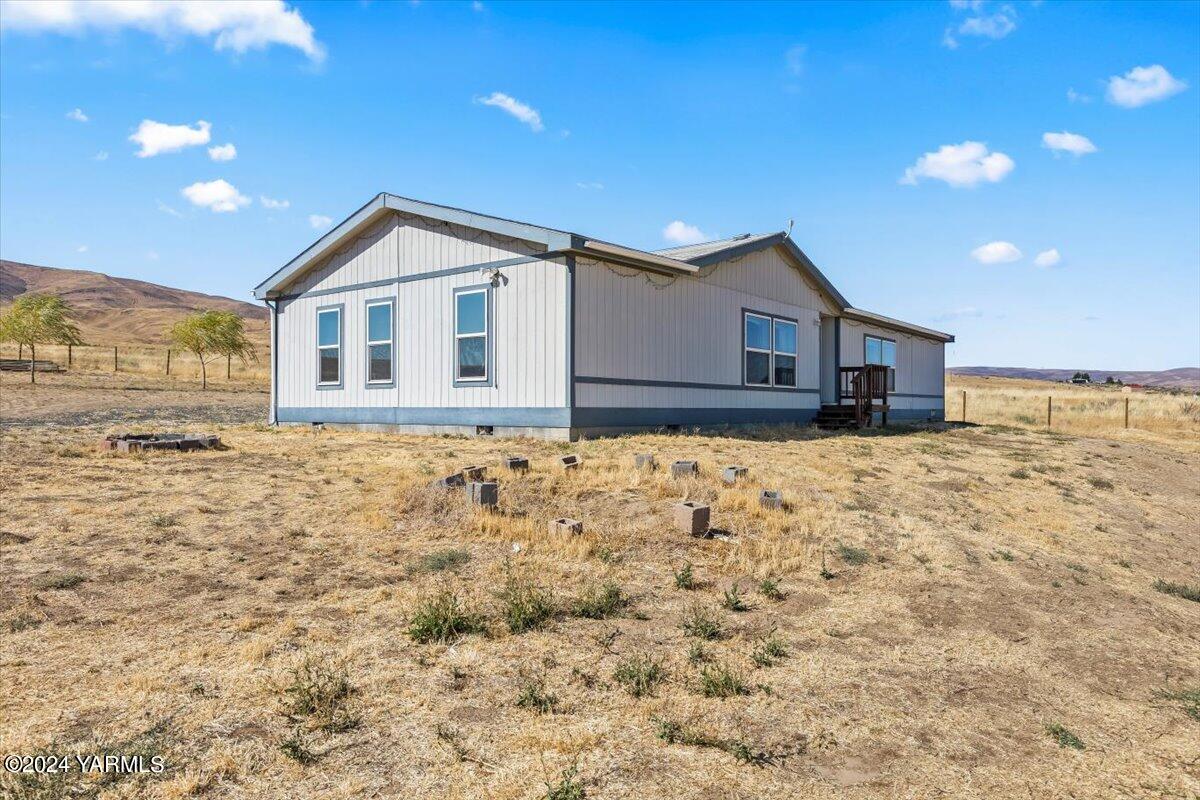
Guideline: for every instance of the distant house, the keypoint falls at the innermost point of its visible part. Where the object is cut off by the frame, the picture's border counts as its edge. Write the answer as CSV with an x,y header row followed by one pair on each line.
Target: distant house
x,y
418,317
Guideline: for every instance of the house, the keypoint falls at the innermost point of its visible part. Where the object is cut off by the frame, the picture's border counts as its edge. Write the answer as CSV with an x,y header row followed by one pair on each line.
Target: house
x,y
411,316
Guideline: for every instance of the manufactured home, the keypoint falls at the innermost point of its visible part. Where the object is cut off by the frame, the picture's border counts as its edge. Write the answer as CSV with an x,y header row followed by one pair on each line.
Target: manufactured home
x,y
411,316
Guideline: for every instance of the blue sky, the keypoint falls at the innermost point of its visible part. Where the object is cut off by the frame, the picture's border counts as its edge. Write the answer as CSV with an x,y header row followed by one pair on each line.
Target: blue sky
x,y
907,141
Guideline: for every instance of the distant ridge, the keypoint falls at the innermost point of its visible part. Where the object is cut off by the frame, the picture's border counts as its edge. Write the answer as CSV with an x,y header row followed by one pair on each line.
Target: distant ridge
x,y
1181,377
112,310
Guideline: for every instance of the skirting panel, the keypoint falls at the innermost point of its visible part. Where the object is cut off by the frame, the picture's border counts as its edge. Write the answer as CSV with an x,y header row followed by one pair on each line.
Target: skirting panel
x,y
507,417
655,417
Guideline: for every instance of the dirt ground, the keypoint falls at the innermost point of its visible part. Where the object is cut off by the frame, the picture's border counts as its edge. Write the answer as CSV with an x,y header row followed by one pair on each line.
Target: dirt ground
x,y
961,611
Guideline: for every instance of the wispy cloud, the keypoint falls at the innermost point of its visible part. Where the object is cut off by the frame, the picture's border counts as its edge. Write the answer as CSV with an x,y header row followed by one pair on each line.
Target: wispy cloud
x,y
158,137
1048,258
319,221
274,205
1066,142
1075,97
1142,85
679,232
101,156
980,23
222,152
218,196
960,165
996,253
77,115
515,108
166,209
83,248
794,59
237,25
964,312
594,186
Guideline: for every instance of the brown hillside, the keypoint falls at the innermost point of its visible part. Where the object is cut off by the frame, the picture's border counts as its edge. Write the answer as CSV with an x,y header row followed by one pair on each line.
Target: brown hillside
x,y
122,310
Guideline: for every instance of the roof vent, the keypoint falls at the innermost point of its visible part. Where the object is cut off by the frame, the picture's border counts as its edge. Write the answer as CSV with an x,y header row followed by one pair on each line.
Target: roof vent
x,y
741,236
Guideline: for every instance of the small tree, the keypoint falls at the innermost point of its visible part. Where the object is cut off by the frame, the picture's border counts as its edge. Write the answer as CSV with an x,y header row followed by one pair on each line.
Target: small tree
x,y
210,335
35,319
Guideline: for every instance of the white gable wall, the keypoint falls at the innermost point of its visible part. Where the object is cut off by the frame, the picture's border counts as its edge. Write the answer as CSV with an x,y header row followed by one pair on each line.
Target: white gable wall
x,y
920,364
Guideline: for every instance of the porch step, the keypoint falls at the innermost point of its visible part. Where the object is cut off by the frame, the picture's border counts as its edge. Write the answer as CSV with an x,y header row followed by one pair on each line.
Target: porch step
x,y
833,416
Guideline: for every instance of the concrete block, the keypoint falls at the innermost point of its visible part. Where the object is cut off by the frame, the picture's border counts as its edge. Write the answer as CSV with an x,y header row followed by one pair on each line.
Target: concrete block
x,y
569,462
692,517
565,525
474,473
455,481
771,498
484,493
685,469
733,474
517,463
645,461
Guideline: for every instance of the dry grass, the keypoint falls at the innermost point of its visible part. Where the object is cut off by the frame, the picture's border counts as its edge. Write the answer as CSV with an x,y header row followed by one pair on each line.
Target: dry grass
x,y
260,643
145,360
1086,410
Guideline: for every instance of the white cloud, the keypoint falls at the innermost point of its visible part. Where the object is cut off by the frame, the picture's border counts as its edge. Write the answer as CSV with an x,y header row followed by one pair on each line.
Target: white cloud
x,y
794,58
590,185
77,115
1142,85
1075,97
996,253
679,232
980,24
1048,258
476,6
237,25
151,255
959,313
166,209
101,156
1072,143
319,221
83,248
222,152
274,205
510,105
158,137
959,165
218,196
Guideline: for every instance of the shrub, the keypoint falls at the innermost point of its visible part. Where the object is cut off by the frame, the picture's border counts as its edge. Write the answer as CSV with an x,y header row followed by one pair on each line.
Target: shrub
x,y
440,560
442,619
567,788
768,587
701,623
733,599
854,556
1189,699
320,694
67,580
534,696
526,606
1019,474
1063,736
296,747
1100,483
719,680
600,602
639,675
684,578
1183,590
769,650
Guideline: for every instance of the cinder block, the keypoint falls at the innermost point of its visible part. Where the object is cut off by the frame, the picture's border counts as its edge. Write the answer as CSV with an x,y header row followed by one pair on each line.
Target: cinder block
x,y
474,473
733,474
564,525
484,493
517,463
569,462
692,517
771,498
455,481
645,461
685,469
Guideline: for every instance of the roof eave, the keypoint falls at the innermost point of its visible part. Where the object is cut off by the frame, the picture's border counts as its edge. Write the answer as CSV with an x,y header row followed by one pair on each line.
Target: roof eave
x,y
627,256
887,322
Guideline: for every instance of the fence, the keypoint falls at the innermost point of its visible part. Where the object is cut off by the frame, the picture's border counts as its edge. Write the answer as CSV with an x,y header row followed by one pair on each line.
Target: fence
x,y
1079,410
145,360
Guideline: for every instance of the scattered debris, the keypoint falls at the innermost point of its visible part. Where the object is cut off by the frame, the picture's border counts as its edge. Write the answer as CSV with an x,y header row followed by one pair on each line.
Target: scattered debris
x,y
692,517
684,469
569,462
474,473
135,442
645,461
565,525
455,481
484,493
733,474
516,463
771,498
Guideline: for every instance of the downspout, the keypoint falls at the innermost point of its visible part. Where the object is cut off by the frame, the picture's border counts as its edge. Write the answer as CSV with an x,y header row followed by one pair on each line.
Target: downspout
x,y
570,348
273,415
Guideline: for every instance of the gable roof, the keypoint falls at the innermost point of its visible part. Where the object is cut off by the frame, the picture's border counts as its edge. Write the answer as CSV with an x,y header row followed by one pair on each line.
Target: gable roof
x,y
683,260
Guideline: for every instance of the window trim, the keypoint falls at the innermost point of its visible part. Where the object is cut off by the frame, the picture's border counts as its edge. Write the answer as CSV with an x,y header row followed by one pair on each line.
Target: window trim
x,y
391,341
893,368
771,386
340,308
489,333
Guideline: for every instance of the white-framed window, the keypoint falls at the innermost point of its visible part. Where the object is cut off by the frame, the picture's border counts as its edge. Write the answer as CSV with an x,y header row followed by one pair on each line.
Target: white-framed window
x,y
770,350
329,346
380,338
877,350
471,335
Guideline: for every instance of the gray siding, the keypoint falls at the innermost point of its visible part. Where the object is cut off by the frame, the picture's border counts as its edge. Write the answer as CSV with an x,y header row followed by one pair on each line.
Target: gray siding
x,y
920,364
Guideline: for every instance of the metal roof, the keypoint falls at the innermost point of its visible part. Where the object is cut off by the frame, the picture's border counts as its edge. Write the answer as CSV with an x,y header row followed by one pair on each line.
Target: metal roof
x,y
689,251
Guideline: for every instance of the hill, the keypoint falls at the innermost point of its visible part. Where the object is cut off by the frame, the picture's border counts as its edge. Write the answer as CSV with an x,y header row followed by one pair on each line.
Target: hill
x,y
112,310
1181,377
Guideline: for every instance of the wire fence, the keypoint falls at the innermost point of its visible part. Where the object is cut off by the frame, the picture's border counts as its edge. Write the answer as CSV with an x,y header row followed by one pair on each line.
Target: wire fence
x,y
147,360
1080,410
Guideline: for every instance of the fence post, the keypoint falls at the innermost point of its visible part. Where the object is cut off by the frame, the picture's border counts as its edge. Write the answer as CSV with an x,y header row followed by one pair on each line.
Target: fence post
x,y
228,366
70,358
168,361
114,358
20,351
1127,413
1049,409
964,391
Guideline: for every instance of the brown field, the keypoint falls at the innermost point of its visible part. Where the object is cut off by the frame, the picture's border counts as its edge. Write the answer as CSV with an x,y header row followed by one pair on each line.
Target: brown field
x,y
958,608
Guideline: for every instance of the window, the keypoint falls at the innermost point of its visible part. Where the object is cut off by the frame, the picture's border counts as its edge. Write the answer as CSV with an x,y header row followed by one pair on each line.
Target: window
x,y
329,346
877,350
770,358
379,341
471,335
